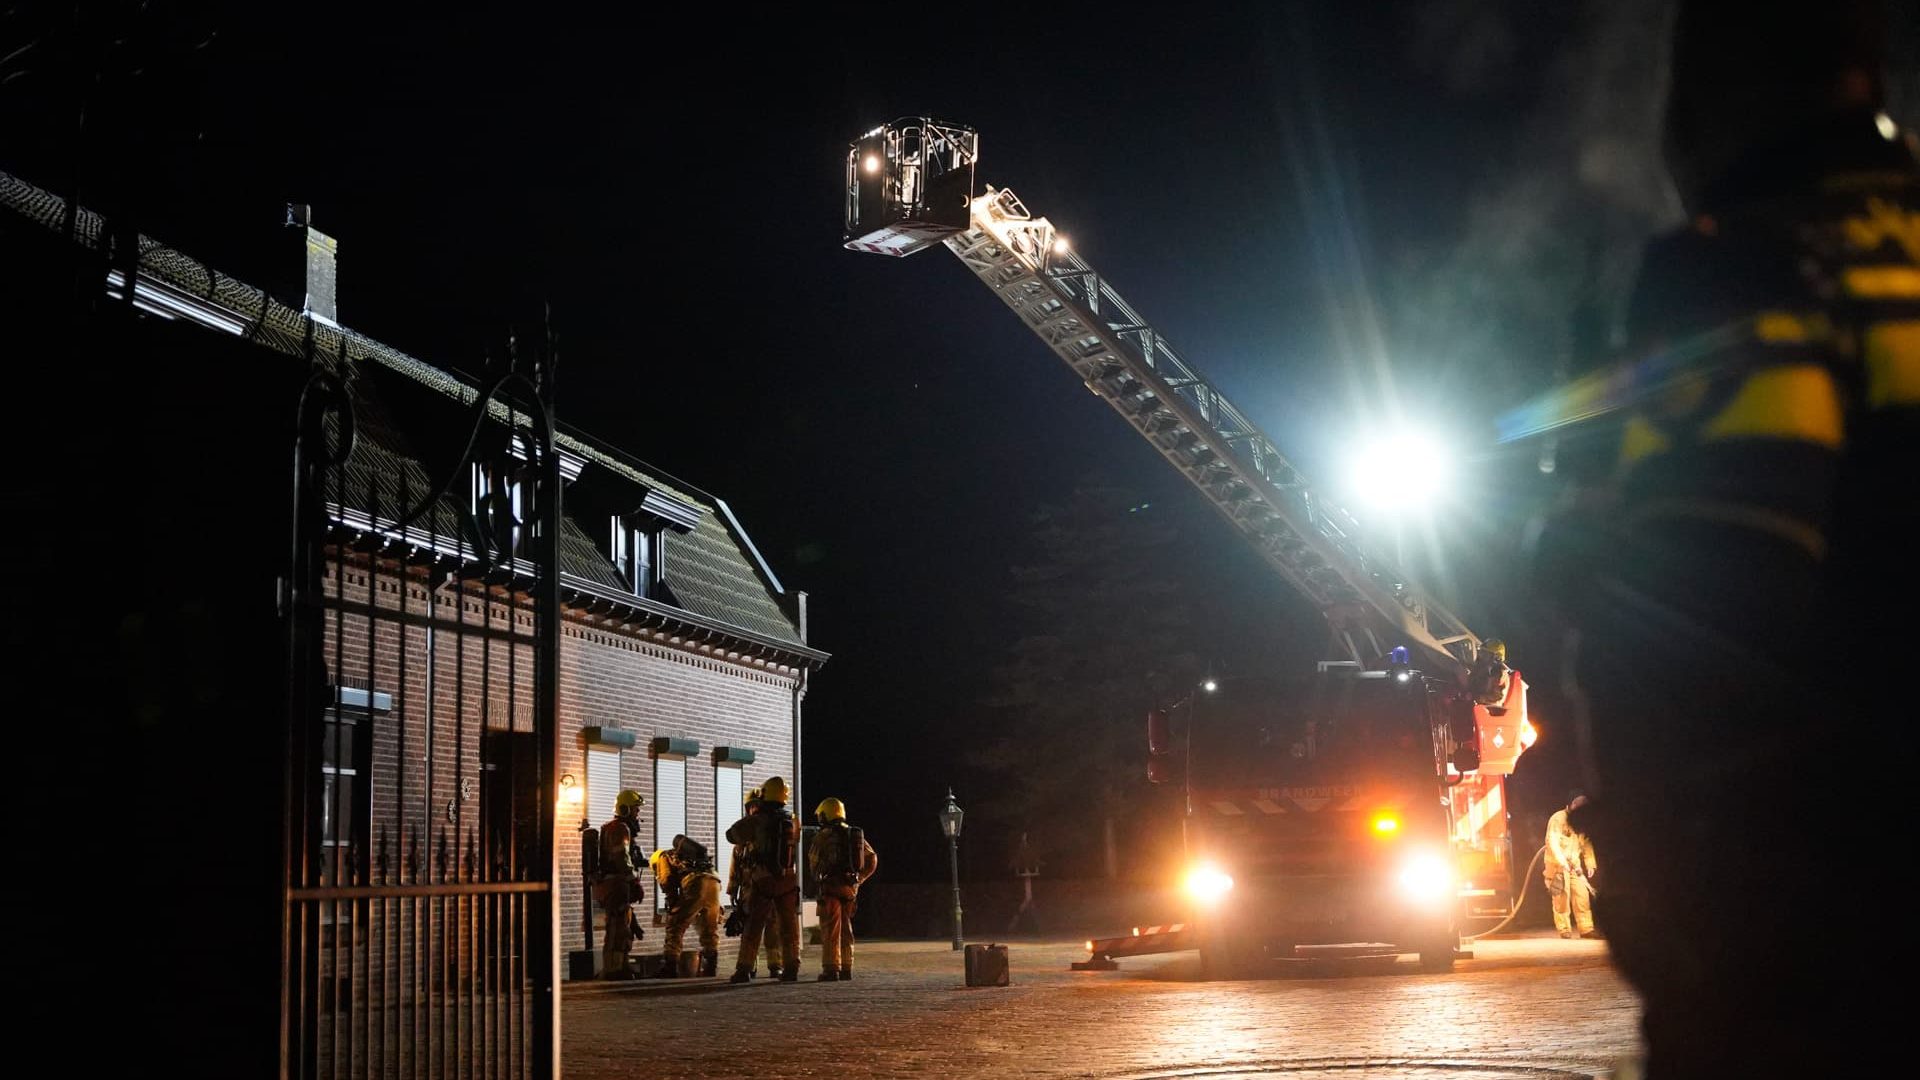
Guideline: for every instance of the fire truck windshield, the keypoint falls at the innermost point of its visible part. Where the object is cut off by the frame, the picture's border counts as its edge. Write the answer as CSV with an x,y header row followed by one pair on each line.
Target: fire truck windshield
x,y
1325,730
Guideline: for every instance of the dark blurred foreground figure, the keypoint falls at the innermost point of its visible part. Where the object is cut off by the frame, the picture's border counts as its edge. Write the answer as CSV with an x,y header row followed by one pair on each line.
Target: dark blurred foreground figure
x,y
1742,592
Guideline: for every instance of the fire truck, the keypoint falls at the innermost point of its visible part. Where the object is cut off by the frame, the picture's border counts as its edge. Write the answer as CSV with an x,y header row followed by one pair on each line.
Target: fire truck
x,y
1357,808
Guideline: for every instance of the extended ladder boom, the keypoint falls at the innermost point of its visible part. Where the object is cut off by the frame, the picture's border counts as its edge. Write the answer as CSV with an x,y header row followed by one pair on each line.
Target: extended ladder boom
x,y
1313,543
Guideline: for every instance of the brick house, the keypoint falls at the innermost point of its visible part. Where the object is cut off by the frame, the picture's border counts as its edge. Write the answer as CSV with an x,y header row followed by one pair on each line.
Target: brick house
x,y
683,659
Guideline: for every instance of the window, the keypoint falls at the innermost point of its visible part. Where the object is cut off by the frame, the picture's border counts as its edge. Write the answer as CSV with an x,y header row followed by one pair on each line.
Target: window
x,y
670,813
500,507
603,783
346,785
636,554
727,795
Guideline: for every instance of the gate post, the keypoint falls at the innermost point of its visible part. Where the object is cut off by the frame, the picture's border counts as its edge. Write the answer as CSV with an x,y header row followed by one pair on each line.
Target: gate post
x,y
545,931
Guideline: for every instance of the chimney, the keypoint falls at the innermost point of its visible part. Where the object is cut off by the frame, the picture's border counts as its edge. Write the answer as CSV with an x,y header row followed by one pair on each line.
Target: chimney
x,y
318,252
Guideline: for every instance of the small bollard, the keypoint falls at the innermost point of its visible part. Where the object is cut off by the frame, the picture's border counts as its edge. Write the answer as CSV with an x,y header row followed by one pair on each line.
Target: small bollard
x,y
987,965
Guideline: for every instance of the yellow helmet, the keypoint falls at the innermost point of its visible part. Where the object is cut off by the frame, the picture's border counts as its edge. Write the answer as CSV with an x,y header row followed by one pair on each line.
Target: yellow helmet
x,y
1497,647
831,810
628,800
774,790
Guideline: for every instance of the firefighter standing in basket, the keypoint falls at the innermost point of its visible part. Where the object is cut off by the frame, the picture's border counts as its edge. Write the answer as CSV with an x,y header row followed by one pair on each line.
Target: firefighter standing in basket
x,y
772,837
686,877
840,861
616,885
1491,676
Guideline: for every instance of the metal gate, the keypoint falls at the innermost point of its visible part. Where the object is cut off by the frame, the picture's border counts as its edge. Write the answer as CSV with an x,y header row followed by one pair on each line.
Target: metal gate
x,y
418,935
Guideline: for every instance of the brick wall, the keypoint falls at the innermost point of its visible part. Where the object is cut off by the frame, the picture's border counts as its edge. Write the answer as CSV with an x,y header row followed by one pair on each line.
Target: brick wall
x,y
427,823
653,690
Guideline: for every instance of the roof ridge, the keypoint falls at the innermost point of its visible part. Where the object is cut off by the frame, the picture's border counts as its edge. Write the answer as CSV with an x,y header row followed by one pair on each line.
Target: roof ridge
x,y
197,291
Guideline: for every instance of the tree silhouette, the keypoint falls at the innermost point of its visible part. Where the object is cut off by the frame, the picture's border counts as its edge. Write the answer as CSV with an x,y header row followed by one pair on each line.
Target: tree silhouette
x,y
1105,624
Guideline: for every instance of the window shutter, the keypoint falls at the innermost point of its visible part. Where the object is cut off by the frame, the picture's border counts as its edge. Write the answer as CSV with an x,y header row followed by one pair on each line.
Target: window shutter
x,y
603,784
670,809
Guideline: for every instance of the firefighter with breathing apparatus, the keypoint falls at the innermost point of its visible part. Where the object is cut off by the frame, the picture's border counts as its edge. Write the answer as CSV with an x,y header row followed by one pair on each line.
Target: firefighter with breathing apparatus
x,y
840,861
692,890
772,839
616,884
740,896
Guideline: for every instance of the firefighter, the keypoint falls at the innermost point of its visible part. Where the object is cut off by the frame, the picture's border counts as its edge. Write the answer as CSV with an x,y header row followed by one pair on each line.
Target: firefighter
x,y
1758,512
1569,870
740,894
685,874
616,885
1490,673
840,861
772,837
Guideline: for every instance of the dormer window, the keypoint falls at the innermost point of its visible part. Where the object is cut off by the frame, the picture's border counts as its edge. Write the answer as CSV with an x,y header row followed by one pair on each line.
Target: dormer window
x,y
499,505
636,552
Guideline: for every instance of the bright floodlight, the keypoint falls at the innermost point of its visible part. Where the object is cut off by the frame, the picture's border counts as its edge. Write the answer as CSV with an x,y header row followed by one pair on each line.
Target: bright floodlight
x,y
1426,878
1059,245
1207,884
873,163
1407,470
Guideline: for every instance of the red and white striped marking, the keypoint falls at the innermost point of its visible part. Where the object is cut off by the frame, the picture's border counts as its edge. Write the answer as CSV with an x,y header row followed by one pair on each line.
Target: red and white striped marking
x,y
1144,940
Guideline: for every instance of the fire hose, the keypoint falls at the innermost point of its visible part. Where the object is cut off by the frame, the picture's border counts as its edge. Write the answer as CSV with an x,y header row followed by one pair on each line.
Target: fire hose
x,y
1525,884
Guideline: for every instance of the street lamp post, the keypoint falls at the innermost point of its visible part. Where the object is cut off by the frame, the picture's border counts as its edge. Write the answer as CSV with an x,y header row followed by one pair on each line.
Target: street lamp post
x,y
950,824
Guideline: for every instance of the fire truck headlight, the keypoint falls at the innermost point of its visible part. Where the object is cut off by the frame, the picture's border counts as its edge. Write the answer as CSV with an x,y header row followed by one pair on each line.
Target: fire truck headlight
x,y
1427,879
1208,883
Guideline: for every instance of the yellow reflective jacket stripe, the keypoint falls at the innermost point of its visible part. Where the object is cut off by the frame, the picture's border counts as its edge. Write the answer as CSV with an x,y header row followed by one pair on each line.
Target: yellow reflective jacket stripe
x,y
1790,328
1883,282
1792,401
1893,364
1640,439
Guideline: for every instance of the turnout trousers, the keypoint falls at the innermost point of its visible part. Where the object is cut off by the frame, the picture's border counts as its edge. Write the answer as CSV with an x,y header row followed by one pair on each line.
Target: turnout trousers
x,y
836,932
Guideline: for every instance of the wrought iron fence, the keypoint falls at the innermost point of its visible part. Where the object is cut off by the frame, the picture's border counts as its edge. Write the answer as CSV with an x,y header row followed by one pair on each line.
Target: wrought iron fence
x,y
422,652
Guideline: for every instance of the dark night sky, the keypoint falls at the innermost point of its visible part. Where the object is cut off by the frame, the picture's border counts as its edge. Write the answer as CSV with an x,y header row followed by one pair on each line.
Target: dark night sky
x,y
884,428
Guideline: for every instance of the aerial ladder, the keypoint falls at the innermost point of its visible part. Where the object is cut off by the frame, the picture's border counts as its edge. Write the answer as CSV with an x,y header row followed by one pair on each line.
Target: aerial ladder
x,y
910,185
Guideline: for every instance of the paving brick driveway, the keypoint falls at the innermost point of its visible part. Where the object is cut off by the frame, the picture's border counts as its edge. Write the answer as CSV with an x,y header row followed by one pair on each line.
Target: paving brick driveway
x,y
1534,1006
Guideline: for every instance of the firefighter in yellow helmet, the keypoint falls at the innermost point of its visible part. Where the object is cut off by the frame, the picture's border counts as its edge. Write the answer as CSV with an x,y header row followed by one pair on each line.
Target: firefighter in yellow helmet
x,y
772,839
1491,677
616,884
1569,871
840,861
1750,503
685,874
740,894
